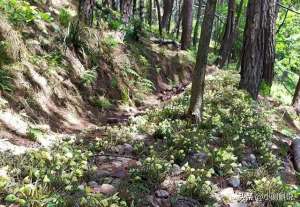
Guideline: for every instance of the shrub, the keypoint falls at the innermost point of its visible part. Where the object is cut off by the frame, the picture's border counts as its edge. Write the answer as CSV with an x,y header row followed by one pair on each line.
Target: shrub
x,y
20,12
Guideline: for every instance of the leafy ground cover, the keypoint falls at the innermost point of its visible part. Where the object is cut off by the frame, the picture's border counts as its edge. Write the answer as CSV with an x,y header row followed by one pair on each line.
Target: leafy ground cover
x,y
231,149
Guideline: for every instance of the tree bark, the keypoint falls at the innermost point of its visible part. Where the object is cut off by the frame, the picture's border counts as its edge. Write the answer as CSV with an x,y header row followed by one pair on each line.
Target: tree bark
x,y
228,36
168,7
86,11
142,6
257,54
187,24
134,8
159,17
150,13
198,84
126,8
269,53
196,29
296,99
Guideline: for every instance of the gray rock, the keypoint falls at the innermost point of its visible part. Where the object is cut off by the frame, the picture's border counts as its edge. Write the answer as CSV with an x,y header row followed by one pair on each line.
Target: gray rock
x,y
161,198
116,182
186,202
128,149
237,204
176,170
234,181
107,189
93,184
197,160
250,160
162,194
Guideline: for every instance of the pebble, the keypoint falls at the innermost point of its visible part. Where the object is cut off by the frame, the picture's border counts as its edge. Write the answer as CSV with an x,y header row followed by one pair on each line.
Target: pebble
x,y
234,181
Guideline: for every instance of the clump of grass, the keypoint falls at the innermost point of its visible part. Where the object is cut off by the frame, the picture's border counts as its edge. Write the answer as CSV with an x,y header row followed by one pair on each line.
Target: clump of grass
x,y
64,17
5,81
103,103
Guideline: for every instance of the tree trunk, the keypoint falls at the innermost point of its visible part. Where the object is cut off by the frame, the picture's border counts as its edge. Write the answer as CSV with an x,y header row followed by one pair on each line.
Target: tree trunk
x,y
228,36
114,5
257,54
269,53
126,8
86,11
178,20
196,102
150,13
142,6
187,24
196,29
159,17
296,99
134,8
168,7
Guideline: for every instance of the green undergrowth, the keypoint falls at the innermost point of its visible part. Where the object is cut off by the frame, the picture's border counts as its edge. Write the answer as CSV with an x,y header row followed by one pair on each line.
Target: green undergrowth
x,y
233,126
51,178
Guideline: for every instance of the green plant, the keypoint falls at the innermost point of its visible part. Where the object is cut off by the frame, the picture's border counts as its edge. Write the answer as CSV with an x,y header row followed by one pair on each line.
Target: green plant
x,y
73,36
64,17
89,77
5,81
103,103
225,161
197,187
272,191
34,134
110,41
21,12
52,178
152,171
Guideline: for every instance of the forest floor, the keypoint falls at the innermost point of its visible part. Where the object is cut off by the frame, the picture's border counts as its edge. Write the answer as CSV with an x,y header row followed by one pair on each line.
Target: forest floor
x,y
99,120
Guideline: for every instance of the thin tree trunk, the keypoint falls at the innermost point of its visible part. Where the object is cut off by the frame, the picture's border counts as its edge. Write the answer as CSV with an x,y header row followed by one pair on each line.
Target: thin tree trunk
x,y
114,4
296,99
187,24
178,21
229,35
196,29
258,48
142,6
198,84
134,8
168,7
159,17
150,13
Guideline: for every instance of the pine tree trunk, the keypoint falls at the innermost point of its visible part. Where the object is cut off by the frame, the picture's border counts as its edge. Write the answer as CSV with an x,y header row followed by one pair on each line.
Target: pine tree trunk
x,y
159,17
142,6
257,54
86,11
187,24
296,99
196,102
134,8
150,13
269,54
126,8
196,29
168,7
228,37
